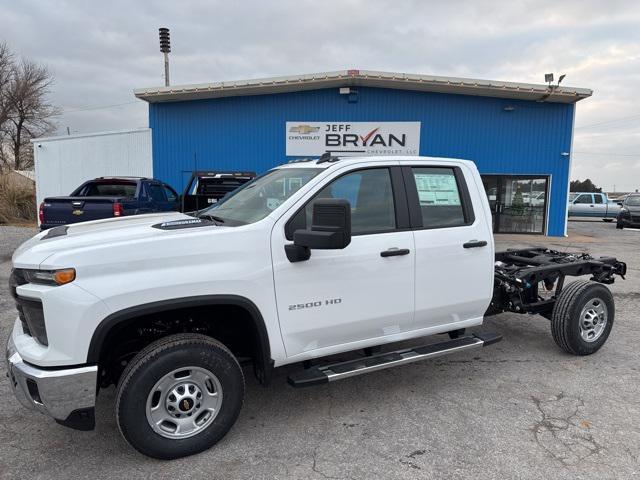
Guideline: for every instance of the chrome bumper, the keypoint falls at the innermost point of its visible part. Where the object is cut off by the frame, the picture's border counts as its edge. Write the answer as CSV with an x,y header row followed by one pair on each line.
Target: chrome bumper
x,y
66,395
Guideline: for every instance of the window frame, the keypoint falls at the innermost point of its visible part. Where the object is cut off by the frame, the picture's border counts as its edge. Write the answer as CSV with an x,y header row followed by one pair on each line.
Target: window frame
x,y
398,192
415,212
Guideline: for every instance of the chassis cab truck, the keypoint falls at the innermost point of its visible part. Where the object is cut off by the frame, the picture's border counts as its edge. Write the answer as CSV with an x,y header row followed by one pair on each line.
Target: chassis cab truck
x,y
311,259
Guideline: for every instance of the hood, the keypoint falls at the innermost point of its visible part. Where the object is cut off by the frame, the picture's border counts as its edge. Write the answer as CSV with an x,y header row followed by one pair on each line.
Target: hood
x,y
35,251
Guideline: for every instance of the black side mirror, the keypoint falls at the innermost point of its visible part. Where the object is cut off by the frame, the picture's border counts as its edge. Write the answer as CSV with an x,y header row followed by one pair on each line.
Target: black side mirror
x,y
330,230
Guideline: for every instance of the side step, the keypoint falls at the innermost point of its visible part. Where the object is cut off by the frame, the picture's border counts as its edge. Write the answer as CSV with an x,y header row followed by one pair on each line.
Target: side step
x,y
337,371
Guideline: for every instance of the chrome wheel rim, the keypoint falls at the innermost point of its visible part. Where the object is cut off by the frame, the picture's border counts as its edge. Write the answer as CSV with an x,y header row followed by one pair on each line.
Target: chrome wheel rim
x,y
184,402
593,320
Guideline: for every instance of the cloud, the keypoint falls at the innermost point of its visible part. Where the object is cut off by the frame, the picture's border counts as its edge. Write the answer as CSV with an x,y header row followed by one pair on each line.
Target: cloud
x,y
99,52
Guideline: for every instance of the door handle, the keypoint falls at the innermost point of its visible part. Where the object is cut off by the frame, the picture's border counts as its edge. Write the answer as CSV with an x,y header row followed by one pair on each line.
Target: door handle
x,y
475,244
395,252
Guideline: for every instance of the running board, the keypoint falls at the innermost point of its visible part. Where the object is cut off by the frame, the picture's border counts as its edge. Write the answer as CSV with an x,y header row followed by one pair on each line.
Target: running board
x,y
337,371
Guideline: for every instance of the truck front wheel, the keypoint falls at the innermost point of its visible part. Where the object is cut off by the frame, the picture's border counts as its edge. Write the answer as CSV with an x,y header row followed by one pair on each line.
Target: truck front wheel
x,y
582,317
179,396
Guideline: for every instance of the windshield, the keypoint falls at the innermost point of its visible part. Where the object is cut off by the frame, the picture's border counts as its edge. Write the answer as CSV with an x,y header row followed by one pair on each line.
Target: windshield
x,y
633,201
258,198
572,196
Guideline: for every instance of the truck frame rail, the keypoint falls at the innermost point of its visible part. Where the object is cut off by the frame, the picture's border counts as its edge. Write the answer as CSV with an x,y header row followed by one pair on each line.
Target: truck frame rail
x,y
530,280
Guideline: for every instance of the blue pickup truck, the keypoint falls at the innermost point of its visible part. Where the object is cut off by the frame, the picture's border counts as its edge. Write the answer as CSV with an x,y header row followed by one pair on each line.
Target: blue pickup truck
x,y
107,197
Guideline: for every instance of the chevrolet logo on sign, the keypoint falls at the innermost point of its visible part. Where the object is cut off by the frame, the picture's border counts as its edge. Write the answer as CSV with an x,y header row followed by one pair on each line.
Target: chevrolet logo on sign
x,y
304,129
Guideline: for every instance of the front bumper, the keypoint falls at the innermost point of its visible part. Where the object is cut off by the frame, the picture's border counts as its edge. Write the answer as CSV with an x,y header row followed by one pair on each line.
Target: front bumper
x,y
67,395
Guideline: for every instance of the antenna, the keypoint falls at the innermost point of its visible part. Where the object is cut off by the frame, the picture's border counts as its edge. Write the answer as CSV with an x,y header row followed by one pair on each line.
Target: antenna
x,y
165,48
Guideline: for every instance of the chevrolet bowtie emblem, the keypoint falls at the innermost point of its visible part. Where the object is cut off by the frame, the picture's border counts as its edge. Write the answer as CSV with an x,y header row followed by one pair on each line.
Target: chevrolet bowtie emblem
x,y
304,129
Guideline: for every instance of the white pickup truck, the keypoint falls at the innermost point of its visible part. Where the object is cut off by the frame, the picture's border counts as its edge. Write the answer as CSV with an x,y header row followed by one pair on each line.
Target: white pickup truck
x,y
593,205
311,259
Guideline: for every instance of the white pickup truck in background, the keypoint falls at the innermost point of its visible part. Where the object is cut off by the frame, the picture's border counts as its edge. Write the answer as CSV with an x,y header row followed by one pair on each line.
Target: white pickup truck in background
x,y
310,259
594,205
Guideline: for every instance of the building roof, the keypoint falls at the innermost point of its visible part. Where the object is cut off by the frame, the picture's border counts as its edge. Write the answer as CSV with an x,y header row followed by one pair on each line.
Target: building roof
x,y
364,78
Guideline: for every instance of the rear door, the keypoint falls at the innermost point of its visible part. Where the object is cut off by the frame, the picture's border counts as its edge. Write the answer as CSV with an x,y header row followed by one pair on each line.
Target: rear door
x,y
454,246
599,205
362,292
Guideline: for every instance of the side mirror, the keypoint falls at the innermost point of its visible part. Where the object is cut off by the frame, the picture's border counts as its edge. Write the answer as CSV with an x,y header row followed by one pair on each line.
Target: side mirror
x,y
330,230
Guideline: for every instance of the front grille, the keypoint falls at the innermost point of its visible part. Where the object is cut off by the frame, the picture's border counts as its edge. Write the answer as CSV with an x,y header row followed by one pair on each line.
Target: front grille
x,y
30,312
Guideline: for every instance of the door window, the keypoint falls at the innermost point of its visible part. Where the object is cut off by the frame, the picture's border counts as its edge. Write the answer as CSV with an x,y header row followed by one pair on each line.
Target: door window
x,y
171,195
370,195
156,193
584,198
439,196
598,198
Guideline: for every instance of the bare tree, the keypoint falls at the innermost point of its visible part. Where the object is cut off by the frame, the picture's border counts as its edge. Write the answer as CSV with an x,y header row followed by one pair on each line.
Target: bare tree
x,y
6,68
6,71
29,113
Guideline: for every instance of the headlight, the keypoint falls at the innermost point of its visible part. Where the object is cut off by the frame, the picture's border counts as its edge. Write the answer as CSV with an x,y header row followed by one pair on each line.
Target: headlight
x,y
50,277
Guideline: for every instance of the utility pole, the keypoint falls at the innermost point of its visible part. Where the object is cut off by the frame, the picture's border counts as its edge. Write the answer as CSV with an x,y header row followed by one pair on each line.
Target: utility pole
x,y
165,48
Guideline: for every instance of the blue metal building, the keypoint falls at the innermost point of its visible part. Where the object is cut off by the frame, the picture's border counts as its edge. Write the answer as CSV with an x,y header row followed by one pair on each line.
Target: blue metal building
x,y
519,135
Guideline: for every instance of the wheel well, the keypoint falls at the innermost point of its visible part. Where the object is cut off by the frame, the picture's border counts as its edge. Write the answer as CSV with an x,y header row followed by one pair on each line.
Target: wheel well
x,y
236,326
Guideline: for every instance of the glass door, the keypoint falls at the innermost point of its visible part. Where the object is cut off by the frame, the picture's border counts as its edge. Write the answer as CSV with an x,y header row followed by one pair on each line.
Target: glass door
x,y
518,203
491,188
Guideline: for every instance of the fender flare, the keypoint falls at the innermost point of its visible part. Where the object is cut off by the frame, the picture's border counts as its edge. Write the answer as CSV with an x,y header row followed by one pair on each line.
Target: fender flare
x,y
263,361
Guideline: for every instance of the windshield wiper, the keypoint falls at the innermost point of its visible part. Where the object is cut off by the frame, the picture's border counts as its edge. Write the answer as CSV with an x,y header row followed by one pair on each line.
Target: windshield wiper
x,y
213,218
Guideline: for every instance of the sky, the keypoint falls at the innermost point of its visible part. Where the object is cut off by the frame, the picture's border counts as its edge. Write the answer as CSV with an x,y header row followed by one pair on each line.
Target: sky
x,y
100,51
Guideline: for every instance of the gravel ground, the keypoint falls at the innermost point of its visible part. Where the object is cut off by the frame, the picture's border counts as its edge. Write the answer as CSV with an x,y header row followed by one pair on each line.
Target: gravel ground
x,y
519,409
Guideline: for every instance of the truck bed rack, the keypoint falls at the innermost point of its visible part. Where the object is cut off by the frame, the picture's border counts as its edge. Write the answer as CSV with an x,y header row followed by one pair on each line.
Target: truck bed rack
x,y
529,280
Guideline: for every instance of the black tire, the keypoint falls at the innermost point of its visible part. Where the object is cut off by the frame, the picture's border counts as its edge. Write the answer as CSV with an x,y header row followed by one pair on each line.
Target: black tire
x,y
608,220
453,334
565,320
619,226
153,363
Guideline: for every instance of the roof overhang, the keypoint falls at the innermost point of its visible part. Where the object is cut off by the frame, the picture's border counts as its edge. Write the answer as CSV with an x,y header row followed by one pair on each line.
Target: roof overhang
x,y
365,78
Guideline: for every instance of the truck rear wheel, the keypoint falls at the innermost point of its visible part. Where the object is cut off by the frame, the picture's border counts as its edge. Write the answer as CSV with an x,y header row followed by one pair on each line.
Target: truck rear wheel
x,y
179,396
582,317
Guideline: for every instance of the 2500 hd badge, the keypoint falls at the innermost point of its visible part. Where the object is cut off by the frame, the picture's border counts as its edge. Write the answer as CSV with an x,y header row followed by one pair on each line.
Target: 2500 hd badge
x,y
317,303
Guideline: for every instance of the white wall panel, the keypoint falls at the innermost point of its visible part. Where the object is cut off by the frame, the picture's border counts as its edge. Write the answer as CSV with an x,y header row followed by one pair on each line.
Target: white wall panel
x,y
63,163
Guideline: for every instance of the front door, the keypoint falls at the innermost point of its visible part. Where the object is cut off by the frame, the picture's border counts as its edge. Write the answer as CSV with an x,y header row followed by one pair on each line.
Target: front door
x,y
518,203
348,296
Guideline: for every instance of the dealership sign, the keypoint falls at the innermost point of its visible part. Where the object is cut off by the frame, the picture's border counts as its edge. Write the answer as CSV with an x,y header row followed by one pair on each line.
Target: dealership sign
x,y
353,138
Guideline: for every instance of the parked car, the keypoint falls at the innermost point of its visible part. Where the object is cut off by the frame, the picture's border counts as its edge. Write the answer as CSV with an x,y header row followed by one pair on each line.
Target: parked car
x,y
207,188
595,205
309,260
107,197
629,215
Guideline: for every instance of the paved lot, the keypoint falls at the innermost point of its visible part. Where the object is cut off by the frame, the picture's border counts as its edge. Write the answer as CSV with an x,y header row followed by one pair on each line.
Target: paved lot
x,y
519,409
